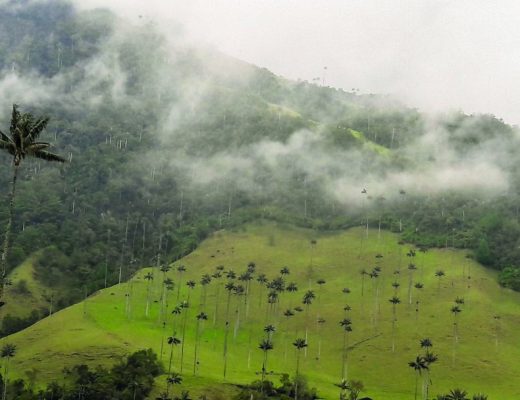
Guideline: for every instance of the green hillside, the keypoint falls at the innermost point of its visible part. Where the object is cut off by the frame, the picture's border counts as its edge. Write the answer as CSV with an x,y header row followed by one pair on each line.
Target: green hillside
x,y
100,330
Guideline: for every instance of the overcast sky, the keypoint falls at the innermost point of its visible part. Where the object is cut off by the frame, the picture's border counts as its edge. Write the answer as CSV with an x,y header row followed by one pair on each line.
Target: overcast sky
x,y
435,55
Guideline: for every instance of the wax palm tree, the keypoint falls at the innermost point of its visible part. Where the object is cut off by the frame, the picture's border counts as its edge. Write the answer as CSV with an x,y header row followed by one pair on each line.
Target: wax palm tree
x,y
172,379
185,306
22,142
180,270
455,310
396,285
265,345
429,359
269,331
299,344
319,323
230,287
395,301
185,395
457,394
262,282
8,351
191,286
148,277
204,281
287,314
411,268
172,342
285,271
308,297
346,325
363,273
238,291
419,365
439,274
217,276
419,286
202,316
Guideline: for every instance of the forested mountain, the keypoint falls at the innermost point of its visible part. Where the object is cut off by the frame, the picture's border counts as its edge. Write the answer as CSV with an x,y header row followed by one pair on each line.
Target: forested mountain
x,y
167,142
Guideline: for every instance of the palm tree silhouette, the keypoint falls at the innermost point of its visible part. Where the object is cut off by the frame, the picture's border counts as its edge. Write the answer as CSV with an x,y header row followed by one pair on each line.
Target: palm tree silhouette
x,y
172,379
419,286
217,276
22,142
265,345
419,365
308,297
262,281
346,324
269,330
439,274
319,322
148,277
395,301
287,314
411,268
180,270
204,281
299,344
172,341
185,305
8,351
230,287
457,394
429,359
455,310
202,316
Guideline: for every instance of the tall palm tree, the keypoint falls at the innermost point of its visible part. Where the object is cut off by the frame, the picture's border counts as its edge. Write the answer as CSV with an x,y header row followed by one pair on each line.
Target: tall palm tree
x,y
172,379
217,276
395,301
172,341
346,324
265,345
204,281
319,322
8,351
308,297
457,394
230,287
285,271
429,359
22,141
411,268
419,286
262,281
185,305
180,270
148,277
419,365
299,344
269,331
455,310
363,273
238,291
439,274
202,316
287,314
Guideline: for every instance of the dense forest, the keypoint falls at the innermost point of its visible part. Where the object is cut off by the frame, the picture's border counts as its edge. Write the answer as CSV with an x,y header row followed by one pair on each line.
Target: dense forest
x,y
167,143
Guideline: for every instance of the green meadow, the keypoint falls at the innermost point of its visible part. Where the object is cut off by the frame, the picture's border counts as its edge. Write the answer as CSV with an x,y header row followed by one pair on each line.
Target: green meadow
x,y
112,323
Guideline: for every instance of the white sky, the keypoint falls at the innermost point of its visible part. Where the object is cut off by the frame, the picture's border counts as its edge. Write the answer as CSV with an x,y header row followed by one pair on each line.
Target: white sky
x,y
436,55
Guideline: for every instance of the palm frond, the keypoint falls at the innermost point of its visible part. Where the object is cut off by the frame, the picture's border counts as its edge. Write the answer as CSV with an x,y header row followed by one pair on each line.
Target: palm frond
x,y
37,127
4,137
7,146
37,146
15,118
48,156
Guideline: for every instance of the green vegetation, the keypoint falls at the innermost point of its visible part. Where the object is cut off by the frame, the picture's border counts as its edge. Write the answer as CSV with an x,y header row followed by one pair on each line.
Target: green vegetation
x,y
113,322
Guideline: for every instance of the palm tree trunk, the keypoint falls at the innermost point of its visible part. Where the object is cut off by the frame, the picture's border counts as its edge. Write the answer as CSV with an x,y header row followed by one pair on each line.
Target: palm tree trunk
x,y
8,229
196,348
393,329
416,384
226,334
6,378
296,376
344,355
183,337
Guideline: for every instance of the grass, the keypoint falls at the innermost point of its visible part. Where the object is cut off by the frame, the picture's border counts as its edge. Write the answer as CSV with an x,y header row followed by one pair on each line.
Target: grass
x,y
99,331
21,304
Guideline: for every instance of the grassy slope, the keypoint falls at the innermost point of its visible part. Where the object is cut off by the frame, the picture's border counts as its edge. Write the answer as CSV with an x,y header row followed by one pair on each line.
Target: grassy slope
x,y
21,304
98,330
